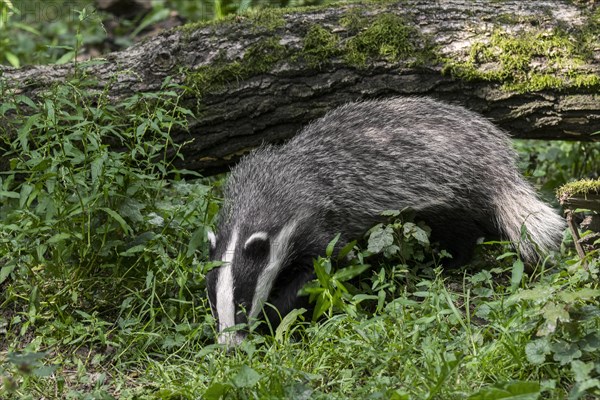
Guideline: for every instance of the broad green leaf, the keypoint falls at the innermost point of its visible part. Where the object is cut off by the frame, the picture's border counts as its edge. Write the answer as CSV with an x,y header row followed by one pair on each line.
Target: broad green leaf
x,y
59,237
12,59
350,272
565,352
96,168
126,228
581,294
581,370
322,275
537,350
68,56
216,391
517,390
10,195
517,274
539,294
5,271
581,388
552,313
44,370
246,377
390,213
380,238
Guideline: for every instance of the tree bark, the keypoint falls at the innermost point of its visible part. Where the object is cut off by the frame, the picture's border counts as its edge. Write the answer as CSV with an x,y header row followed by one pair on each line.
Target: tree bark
x,y
532,67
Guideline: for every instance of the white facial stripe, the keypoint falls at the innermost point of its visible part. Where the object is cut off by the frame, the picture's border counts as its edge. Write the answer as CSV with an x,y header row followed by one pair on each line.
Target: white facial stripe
x,y
256,236
267,277
225,305
212,239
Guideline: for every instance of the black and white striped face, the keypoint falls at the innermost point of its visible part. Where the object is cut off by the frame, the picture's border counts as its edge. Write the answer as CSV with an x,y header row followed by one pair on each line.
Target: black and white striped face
x,y
253,261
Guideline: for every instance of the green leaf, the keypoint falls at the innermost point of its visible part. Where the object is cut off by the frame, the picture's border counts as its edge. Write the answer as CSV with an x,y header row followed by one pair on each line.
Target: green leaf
x,y
26,190
420,235
322,306
45,370
331,245
50,111
5,271
517,274
380,238
390,213
96,168
356,299
539,294
199,237
10,195
509,391
581,387
126,228
346,250
59,237
582,294
216,391
68,56
322,275
565,352
581,370
537,350
246,377
26,100
350,272
553,312
12,59
287,322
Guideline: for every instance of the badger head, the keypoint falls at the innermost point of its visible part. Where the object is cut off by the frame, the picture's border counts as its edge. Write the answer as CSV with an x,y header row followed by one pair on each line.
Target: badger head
x,y
258,267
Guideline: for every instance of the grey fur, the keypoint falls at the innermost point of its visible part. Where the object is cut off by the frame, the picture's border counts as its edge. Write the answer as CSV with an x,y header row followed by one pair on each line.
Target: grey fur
x,y
453,167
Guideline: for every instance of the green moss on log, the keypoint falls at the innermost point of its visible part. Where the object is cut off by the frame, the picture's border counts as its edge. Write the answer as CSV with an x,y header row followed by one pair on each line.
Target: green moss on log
x,y
386,37
258,59
578,189
320,46
530,61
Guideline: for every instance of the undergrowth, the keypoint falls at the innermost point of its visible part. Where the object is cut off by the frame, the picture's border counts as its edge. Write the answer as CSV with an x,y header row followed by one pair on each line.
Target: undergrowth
x,y
103,253
102,262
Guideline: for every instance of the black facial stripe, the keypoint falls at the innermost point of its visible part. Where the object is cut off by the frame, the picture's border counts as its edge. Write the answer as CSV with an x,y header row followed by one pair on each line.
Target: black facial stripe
x,y
245,280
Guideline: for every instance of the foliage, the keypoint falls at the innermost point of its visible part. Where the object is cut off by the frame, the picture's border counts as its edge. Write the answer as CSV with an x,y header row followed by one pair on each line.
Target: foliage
x,y
95,241
37,32
552,164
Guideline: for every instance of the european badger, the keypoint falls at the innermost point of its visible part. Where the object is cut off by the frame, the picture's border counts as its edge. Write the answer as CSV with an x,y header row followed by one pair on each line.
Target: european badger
x,y
283,205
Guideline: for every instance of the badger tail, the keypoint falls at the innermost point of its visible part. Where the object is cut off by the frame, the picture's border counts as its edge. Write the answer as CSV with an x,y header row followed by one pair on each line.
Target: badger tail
x,y
518,207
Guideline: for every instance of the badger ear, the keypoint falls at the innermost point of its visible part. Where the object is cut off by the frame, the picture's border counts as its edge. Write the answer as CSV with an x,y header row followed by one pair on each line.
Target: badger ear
x,y
212,239
257,244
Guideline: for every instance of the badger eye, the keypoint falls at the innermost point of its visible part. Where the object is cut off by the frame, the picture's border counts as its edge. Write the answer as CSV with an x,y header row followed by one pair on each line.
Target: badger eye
x,y
257,245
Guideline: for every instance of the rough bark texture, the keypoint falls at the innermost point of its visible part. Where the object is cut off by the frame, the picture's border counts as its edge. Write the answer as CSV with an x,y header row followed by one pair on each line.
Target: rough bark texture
x,y
532,67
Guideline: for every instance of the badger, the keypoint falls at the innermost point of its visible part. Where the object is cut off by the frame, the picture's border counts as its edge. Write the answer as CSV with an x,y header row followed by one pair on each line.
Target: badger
x,y
284,204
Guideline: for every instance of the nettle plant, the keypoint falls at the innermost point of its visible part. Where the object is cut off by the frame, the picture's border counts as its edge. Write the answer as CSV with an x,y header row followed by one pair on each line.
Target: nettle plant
x,y
401,244
88,218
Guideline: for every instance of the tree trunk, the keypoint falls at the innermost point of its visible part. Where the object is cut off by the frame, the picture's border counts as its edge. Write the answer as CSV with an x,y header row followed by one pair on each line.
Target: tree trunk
x,y
532,67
